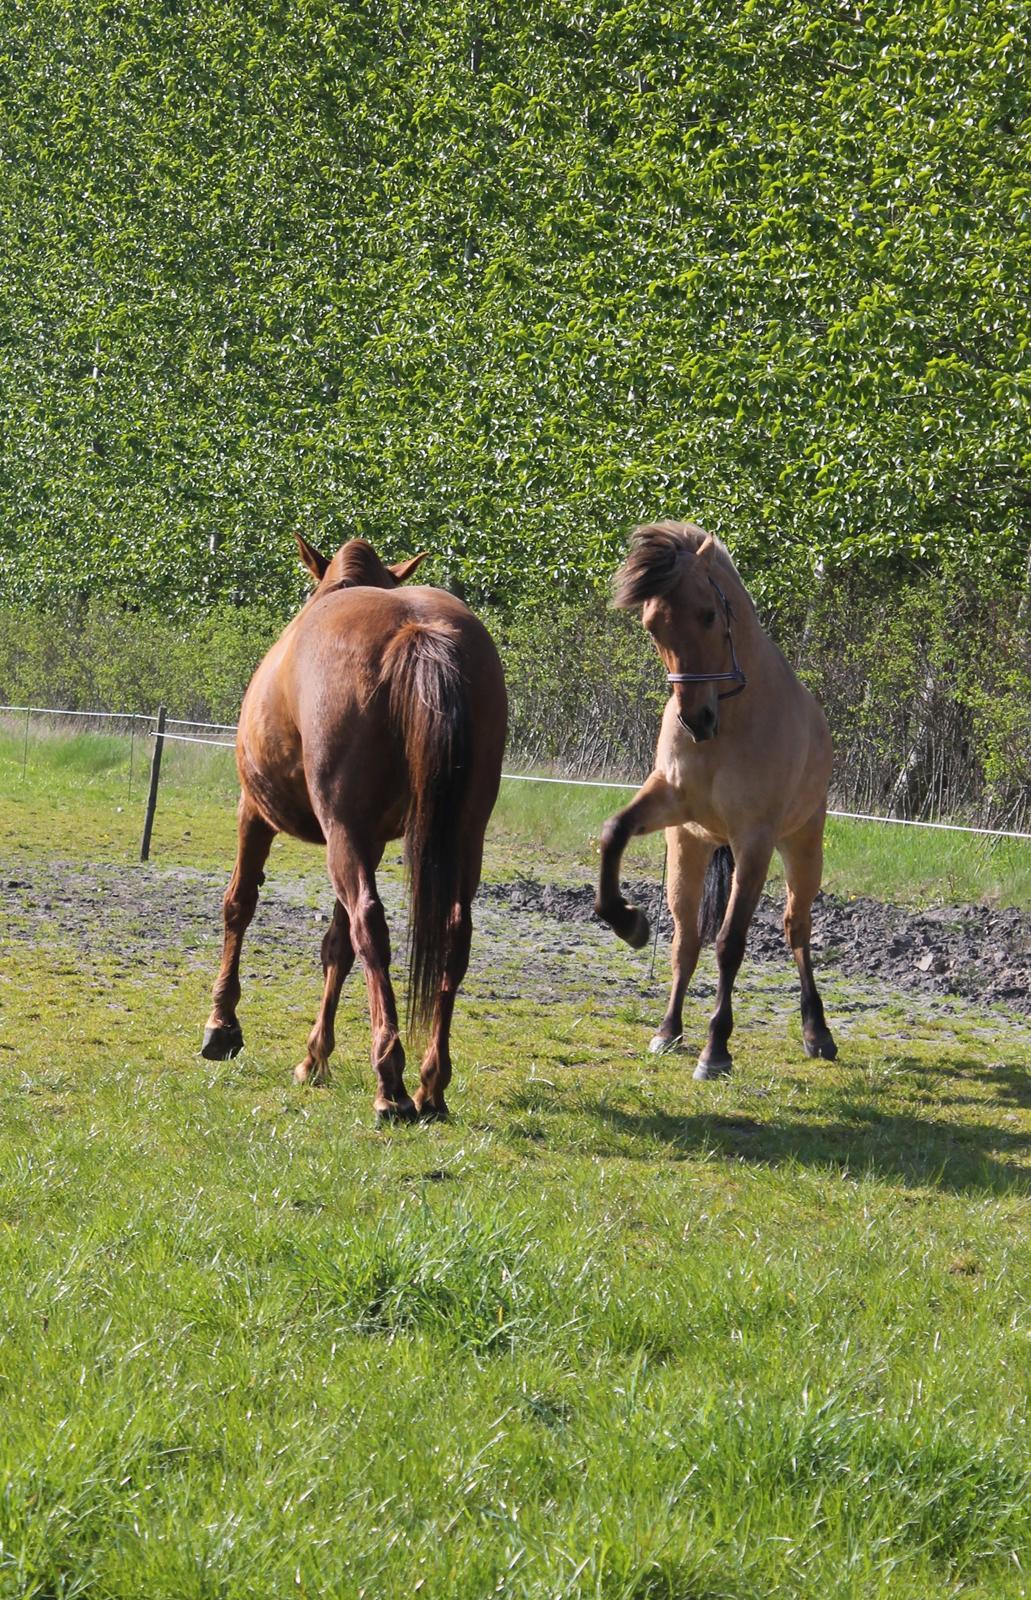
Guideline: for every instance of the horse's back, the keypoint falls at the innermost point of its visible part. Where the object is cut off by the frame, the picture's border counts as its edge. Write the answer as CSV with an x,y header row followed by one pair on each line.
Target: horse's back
x,y
316,727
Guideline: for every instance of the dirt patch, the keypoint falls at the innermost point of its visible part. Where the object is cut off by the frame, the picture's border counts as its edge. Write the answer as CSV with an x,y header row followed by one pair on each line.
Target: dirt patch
x,y
972,951
527,932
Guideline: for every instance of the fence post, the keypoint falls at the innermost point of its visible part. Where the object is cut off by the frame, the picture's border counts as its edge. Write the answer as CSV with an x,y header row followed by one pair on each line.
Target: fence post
x,y
25,746
155,774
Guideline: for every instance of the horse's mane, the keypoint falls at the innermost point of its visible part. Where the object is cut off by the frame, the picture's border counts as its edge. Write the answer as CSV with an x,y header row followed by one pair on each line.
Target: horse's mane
x,y
355,563
653,561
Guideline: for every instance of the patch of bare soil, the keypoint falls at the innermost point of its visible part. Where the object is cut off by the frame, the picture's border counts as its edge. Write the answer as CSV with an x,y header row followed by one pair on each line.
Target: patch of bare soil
x,y
970,950
527,932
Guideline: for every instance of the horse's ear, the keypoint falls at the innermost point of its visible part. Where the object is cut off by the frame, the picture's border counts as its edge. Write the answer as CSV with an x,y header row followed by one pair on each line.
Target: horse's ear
x,y
402,570
315,563
706,550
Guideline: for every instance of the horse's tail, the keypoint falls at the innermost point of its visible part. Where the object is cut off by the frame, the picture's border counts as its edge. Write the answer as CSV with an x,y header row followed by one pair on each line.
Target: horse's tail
x,y
429,705
716,893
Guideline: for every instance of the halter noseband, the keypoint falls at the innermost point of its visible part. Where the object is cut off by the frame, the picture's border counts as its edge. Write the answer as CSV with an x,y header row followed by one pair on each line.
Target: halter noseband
x,y
734,676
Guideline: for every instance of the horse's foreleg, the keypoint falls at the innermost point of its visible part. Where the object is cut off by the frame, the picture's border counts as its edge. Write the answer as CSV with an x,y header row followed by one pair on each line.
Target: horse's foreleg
x,y
222,1035
751,864
353,877
687,859
802,855
657,804
435,1074
337,961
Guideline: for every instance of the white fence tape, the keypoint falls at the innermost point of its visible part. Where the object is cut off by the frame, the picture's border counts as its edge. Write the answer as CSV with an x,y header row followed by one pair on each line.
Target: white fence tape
x,y
89,716
186,738
188,722
511,777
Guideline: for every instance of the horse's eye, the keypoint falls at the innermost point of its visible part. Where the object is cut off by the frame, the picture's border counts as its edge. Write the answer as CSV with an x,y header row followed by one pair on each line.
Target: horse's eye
x,y
708,618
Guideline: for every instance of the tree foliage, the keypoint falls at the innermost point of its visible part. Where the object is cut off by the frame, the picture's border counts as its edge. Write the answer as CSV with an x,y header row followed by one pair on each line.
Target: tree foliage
x,y
503,280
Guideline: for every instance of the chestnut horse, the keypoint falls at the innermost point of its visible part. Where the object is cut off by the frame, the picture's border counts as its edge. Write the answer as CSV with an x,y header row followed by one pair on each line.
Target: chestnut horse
x,y
379,713
743,760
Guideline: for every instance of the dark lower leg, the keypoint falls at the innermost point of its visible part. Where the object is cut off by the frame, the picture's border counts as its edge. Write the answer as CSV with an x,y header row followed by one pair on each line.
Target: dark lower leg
x,y
749,877
435,1074
656,805
337,961
730,949
802,855
816,1036
372,941
222,1035
352,871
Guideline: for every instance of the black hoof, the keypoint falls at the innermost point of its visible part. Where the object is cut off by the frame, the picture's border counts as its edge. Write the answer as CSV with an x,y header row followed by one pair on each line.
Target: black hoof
x,y
434,1113
631,925
823,1048
221,1044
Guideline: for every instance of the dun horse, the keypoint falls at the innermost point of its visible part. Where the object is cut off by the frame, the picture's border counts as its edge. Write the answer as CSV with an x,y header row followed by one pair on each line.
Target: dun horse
x,y
743,761
378,713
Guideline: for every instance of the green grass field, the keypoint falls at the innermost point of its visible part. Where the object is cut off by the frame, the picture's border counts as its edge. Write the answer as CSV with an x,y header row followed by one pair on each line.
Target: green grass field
x,y
608,1334
542,829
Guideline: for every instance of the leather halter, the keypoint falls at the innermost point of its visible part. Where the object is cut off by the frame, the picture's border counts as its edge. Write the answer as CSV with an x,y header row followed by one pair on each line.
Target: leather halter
x,y
734,676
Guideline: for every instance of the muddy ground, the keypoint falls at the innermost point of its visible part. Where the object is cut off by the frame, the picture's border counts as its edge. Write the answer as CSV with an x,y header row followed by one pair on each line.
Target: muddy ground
x,y
972,951
527,932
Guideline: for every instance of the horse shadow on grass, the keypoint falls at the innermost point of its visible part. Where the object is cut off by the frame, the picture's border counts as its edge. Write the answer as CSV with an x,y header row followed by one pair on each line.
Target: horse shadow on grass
x,y
853,1135
1010,1086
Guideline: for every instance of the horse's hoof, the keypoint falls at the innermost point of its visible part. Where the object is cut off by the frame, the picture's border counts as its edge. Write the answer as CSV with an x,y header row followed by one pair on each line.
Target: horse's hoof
x,y
311,1074
715,1067
395,1111
221,1044
637,930
822,1047
432,1113
661,1046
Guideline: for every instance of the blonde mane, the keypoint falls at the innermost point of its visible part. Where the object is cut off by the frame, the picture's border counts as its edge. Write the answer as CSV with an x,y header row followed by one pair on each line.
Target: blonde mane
x,y
654,560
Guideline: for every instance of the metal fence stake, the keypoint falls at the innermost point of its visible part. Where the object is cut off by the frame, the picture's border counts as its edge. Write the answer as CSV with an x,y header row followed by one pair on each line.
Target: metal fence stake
x,y
25,744
155,775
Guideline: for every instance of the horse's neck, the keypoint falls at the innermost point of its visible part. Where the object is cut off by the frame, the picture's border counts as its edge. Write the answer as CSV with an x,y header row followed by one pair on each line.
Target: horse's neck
x,y
752,643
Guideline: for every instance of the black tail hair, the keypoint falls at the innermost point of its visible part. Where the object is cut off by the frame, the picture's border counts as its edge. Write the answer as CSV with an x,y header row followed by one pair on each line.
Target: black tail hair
x,y
716,893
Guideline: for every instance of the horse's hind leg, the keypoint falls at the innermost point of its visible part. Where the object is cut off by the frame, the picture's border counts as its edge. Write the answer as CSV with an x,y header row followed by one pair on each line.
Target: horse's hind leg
x,y
751,863
687,858
435,1074
337,961
222,1035
353,875
802,855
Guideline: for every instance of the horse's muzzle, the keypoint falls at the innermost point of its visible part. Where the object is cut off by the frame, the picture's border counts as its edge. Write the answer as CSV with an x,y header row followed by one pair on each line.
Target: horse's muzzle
x,y
704,724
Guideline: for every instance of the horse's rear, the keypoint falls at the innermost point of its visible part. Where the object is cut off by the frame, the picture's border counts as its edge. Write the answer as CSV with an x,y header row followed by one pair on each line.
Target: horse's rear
x,y
380,713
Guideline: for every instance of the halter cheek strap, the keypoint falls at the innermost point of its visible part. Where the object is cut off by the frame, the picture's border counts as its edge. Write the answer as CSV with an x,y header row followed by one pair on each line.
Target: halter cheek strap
x,y
734,676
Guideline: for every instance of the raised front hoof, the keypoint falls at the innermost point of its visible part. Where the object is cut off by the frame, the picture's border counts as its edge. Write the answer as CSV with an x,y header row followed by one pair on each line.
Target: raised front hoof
x,y
663,1045
821,1046
632,925
222,1044
712,1067
389,1112
625,921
